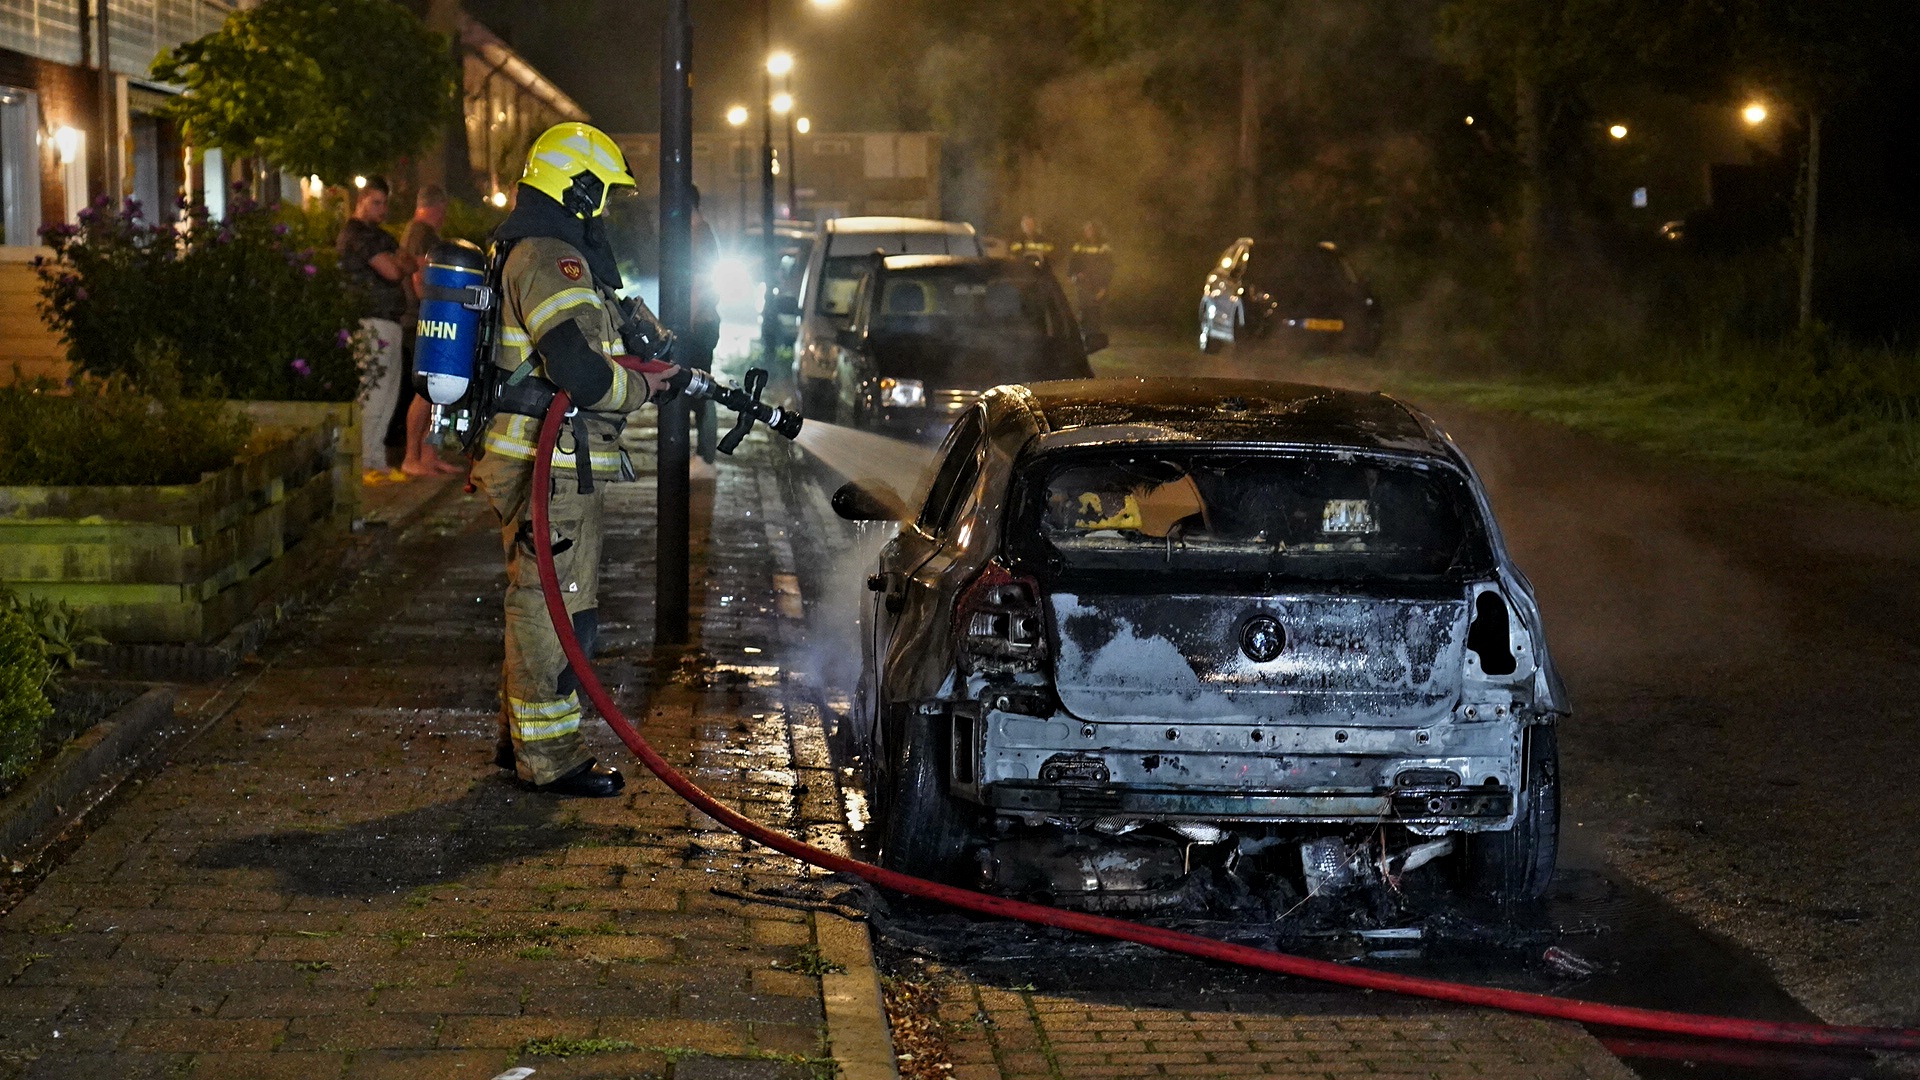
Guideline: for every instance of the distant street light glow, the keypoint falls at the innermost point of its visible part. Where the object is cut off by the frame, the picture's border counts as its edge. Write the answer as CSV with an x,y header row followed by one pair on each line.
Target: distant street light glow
x,y
737,115
803,125
782,104
780,63
827,5
500,199
1618,131
1469,121
1754,114
359,181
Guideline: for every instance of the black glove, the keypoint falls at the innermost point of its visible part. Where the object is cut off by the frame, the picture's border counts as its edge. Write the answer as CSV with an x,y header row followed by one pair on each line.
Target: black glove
x,y
642,336
674,386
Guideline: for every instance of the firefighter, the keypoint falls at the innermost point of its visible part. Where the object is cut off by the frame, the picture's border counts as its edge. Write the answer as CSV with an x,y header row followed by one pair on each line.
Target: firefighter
x,y
1090,268
1031,243
560,326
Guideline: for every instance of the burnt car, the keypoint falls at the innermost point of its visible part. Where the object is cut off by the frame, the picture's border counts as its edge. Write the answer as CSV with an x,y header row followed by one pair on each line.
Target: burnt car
x,y
928,334
1140,626
1307,296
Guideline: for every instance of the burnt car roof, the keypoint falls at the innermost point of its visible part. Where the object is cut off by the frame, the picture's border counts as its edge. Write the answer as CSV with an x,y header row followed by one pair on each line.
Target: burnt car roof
x,y
1232,410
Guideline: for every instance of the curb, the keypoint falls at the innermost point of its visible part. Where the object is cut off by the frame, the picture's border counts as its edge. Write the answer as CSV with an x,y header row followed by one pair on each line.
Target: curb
x,y
857,1033
98,751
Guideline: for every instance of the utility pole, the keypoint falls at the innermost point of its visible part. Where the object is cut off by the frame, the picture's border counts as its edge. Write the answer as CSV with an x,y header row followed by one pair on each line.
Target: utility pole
x,y
1810,218
1249,156
672,572
769,251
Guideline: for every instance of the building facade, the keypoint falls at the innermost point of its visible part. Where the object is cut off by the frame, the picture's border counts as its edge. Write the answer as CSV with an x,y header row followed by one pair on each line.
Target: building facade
x,y
834,174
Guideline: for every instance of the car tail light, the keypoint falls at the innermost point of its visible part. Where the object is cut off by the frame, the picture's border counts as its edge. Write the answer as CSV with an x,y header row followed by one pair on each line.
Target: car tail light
x,y
999,623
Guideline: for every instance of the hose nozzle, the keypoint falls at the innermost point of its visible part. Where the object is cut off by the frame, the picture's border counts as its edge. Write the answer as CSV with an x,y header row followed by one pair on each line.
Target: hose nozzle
x,y
745,402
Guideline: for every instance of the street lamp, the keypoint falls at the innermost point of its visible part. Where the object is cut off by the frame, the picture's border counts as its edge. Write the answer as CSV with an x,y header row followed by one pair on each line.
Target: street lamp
x,y
1618,131
1754,114
803,125
780,63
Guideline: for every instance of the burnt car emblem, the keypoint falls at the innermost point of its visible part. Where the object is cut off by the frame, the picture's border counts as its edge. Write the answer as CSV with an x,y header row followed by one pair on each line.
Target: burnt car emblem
x,y
1262,638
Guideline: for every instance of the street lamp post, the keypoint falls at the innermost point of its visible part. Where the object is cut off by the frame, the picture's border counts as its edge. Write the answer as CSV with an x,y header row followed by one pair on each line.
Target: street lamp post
x,y
783,107
672,543
737,117
779,63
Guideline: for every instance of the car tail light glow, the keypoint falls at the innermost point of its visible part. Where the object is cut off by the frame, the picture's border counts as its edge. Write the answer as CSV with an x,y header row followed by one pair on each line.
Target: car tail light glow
x,y
999,623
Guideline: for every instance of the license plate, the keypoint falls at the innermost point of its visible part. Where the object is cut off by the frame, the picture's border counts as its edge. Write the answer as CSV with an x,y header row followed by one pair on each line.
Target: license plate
x,y
1328,326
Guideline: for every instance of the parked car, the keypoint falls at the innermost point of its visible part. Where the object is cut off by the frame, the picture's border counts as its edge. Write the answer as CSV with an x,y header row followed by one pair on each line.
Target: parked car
x,y
1139,627
794,243
834,269
928,334
1309,296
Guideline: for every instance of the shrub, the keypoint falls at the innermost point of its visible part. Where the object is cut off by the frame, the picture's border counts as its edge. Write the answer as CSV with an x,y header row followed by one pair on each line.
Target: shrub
x,y
107,432
24,709
248,311
59,628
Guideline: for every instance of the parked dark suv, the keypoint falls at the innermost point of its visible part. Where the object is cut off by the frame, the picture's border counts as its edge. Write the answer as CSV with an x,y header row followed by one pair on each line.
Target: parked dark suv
x,y
930,333
1308,296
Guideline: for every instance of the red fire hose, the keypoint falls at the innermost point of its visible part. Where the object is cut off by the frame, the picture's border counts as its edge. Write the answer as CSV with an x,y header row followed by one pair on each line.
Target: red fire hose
x,y
1584,1012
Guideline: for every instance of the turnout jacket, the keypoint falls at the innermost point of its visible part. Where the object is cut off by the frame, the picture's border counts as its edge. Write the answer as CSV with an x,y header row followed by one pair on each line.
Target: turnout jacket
x,y
545,284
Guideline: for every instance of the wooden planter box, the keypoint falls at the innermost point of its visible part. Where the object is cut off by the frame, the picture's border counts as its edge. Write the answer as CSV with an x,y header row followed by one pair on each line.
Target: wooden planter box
x,y
185,563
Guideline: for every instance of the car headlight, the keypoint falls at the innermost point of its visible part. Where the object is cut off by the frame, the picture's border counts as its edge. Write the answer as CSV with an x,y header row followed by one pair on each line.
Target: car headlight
x,y
903,393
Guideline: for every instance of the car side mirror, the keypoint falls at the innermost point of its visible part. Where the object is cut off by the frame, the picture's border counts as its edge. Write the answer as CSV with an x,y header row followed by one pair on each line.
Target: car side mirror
x,y
857,503
786,304
1095,341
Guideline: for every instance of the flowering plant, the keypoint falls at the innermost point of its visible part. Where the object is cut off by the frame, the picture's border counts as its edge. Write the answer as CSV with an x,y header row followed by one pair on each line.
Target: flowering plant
x,y
249,312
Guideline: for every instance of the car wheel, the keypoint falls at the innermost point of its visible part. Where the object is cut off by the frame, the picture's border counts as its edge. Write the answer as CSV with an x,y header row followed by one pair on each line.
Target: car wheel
x,y
1517,865
924,831
818,401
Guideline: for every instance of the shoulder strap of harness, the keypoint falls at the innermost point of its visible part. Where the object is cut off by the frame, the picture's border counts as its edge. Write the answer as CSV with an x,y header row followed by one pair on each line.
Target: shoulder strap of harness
x,y
487,377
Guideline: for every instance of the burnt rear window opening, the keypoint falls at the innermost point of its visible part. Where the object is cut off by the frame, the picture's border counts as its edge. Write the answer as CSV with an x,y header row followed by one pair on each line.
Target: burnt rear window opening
x,y
1309,517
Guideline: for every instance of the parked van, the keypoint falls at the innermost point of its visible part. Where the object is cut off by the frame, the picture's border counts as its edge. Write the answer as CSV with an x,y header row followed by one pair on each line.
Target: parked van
x,y
838,263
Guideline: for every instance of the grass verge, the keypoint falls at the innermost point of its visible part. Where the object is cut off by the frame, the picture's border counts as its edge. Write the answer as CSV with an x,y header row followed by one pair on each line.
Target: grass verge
x,y
1877,458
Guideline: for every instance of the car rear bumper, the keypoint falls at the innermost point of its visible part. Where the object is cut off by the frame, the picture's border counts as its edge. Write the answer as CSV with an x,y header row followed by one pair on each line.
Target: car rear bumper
x,y
1482,807
1449,774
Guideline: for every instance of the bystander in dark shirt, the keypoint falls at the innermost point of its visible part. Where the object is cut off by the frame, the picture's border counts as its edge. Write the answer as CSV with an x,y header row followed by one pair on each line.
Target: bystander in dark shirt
x,y
359,242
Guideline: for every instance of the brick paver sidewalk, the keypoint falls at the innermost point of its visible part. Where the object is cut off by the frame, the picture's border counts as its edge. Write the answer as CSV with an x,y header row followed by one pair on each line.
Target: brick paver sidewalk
x,y
333,882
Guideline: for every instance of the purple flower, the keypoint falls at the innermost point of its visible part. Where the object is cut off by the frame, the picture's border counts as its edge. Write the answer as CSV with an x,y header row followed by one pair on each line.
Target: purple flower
x,y
309,269
281,229
343,338
300,367
80,294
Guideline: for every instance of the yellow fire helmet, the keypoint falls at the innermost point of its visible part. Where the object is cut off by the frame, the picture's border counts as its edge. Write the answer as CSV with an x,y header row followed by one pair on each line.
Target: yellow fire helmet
x,y
576,164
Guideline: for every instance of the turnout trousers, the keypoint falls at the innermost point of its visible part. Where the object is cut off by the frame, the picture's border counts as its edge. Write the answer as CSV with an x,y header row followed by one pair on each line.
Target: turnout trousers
x,y
539,694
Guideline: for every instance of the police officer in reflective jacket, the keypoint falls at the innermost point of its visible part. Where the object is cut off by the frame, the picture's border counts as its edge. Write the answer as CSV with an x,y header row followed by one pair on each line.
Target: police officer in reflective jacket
x,y
561,325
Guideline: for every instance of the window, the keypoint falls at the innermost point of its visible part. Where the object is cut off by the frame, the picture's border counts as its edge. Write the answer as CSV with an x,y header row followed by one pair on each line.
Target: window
x,y
958,470
840,283
19,166
1313,517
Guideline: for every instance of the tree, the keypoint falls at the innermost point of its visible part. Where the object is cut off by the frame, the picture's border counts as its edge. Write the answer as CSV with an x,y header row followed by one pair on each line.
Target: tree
x,y
329,87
